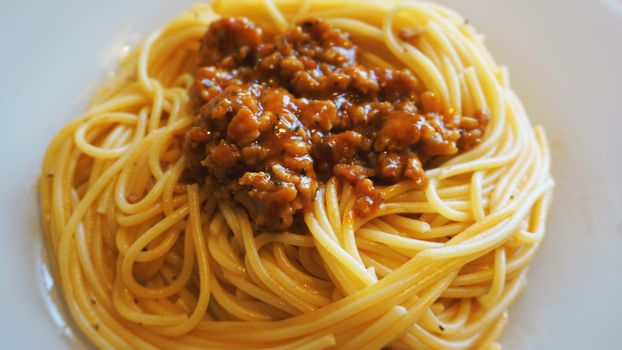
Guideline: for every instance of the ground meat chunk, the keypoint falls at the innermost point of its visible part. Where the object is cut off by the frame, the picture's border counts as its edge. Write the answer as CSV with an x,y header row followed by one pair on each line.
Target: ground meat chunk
x,y
230,42
279,113
272,203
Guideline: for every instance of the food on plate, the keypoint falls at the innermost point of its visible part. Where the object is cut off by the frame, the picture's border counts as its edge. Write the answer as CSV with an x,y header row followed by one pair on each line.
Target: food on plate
x,y
298,174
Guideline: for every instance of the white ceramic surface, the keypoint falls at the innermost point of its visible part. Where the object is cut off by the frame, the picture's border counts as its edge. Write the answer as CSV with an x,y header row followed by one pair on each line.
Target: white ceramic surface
x,y
565,58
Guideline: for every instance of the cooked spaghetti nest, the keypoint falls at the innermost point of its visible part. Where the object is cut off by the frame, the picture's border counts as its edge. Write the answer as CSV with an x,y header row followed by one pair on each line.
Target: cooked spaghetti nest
x,y
147,261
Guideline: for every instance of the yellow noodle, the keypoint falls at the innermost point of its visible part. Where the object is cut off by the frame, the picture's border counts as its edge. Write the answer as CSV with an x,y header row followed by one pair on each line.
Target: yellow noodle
x,y
145,261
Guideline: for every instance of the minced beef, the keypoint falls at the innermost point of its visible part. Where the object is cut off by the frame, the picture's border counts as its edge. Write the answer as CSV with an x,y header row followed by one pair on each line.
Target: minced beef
x,y
276,114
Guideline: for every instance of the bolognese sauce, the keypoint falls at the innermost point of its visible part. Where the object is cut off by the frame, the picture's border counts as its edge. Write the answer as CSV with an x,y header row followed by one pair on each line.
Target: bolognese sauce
x,y
278,114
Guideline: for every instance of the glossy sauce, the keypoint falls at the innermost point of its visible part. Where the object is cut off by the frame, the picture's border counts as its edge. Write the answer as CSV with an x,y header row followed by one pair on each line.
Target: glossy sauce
x,y
277,114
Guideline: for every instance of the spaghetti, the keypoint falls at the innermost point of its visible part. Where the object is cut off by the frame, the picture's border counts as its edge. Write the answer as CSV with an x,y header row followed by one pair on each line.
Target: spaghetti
x,y
146,260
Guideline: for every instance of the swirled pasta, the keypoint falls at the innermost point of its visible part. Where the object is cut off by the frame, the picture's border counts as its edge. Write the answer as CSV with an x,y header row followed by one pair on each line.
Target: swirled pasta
x,y
147,259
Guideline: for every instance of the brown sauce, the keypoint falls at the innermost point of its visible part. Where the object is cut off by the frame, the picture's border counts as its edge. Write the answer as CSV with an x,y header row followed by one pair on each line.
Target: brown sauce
x,y
276,114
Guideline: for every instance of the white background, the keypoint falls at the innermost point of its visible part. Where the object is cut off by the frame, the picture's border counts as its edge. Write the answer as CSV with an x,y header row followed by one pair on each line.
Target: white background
x,y
565,58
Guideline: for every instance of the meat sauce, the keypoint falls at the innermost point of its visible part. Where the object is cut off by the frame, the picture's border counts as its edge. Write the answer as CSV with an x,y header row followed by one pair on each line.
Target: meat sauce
x,y
279,113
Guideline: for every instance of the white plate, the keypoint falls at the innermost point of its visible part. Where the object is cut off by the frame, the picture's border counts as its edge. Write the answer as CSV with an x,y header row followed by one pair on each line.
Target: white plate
x,y
565,58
